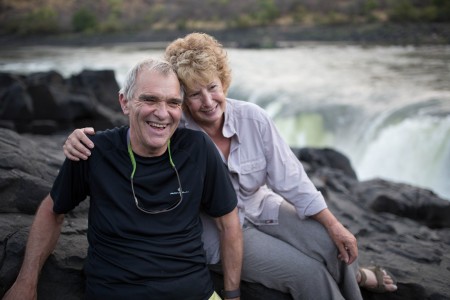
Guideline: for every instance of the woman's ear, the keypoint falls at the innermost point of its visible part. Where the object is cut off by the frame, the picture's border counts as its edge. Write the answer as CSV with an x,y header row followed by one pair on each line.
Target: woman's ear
x,y
124,104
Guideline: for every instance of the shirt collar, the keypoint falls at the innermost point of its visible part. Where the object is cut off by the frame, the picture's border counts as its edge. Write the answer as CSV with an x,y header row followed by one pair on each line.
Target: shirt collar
x,y
230,116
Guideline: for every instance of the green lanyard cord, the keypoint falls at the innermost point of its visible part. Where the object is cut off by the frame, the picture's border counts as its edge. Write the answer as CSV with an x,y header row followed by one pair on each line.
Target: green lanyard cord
x,y
133,160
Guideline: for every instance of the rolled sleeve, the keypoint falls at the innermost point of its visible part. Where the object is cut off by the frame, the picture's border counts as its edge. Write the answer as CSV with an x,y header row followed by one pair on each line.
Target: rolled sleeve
x,y
287,177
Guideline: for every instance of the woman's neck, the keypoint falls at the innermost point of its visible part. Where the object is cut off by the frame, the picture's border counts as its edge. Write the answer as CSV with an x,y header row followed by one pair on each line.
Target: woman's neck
x,y
214,131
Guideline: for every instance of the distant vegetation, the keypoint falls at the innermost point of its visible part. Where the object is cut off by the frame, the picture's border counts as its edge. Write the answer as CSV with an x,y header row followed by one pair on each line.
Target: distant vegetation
x,y
27,17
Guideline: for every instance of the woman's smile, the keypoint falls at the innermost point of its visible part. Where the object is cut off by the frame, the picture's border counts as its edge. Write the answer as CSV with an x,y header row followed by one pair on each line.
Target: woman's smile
x,y
209,111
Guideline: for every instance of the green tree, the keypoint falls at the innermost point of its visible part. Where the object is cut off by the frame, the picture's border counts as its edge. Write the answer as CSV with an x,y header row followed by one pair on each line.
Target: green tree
x,y
266,12
443,10
84,21
403,11
39,20
113,21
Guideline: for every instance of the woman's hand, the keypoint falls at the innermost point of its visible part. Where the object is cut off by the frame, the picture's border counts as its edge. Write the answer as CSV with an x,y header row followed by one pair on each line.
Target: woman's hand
x,y
344,240
78,145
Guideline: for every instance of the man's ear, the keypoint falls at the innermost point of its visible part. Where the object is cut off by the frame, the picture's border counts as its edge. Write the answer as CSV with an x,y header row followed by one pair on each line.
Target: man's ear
x,y
124,104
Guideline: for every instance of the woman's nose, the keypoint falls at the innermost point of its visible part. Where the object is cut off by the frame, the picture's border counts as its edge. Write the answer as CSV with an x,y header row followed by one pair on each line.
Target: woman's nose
x,y
206,98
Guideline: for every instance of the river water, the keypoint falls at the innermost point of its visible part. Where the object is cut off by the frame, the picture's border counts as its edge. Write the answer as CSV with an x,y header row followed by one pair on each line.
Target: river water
x,y
387,108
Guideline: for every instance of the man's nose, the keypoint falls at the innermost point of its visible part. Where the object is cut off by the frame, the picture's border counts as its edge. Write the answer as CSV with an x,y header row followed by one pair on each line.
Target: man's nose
x,y
161,109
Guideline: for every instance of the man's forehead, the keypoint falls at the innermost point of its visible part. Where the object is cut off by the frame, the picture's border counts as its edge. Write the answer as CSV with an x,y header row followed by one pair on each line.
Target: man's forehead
x,y
158,84
153,77
156,74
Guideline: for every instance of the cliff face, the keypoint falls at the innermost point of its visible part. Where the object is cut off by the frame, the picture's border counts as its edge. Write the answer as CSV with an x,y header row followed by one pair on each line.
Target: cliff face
x,y
403,228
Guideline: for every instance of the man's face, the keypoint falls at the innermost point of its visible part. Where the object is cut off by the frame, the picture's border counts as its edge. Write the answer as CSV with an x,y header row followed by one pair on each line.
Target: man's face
x,y
154,112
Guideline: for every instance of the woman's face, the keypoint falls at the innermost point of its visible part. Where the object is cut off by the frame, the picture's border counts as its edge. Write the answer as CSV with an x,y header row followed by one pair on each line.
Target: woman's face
x,y
206,103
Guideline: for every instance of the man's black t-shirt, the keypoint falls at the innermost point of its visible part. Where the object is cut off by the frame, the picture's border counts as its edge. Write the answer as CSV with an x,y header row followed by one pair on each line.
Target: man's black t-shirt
x,y
135,254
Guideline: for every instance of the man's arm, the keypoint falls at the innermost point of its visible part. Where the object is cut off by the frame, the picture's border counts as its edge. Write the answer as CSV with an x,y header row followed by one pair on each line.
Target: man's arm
x,y
42,239
78,144
231,249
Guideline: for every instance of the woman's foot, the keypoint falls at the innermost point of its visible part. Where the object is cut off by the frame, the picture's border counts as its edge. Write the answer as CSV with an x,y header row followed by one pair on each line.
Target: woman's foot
x,y
376,279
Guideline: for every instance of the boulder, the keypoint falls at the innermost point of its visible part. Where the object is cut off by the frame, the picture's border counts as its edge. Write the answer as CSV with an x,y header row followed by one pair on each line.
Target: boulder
x,y
46,103
101,83
406,201
325,157
16,106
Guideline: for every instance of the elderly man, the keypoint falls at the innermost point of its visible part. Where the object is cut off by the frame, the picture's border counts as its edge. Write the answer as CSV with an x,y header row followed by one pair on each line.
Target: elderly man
x,y
147,183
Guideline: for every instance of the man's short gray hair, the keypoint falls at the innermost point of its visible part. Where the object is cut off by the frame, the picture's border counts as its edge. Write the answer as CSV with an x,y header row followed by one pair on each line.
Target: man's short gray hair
x,y
151,64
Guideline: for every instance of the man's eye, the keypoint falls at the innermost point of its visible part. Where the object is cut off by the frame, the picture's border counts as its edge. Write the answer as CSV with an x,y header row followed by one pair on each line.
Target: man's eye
x,y
174,104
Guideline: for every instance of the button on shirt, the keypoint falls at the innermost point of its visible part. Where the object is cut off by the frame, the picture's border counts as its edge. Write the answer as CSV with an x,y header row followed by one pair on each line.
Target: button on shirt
x,y
263,168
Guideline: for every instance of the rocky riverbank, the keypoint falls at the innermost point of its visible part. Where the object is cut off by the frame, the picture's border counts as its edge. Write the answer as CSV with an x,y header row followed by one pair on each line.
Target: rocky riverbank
x,y
401,227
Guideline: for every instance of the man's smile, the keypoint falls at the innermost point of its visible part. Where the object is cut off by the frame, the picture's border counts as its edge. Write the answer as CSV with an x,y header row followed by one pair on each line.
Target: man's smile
x,y
157,125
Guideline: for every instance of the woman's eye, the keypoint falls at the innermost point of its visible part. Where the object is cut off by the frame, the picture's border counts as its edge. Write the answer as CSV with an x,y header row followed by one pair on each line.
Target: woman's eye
x,y
194,96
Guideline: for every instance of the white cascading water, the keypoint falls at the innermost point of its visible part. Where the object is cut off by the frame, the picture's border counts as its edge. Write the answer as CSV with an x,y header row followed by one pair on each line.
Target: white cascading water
x,y
386,108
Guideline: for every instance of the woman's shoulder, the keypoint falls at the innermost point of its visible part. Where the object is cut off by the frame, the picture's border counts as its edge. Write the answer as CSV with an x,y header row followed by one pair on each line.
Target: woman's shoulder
x,y
245,109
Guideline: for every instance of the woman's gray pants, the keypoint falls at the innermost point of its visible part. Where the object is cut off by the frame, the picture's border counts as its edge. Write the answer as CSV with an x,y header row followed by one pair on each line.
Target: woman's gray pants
x,y
297,257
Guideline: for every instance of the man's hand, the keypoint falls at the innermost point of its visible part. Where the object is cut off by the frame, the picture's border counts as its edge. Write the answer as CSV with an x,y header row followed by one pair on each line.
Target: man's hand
x,y
78,144
20,291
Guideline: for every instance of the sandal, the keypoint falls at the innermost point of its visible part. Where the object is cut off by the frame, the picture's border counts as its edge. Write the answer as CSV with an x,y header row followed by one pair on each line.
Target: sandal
x,y
379,274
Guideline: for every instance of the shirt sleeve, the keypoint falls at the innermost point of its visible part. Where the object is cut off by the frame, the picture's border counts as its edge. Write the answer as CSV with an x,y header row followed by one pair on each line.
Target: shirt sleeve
x,y
70,186
219,197
286,175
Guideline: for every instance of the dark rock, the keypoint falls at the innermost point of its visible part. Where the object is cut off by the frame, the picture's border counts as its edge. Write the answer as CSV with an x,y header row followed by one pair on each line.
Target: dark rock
x,y
27,170
16,105
101,83
405,201
46,103
52,78
62,276
326,157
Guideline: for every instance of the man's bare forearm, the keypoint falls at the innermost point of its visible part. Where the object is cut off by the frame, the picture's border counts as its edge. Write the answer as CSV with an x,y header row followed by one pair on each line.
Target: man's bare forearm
x,y
42,239
231,248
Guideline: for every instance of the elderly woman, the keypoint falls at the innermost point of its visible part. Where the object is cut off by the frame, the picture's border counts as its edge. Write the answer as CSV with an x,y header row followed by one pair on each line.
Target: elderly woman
x,y
292,242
